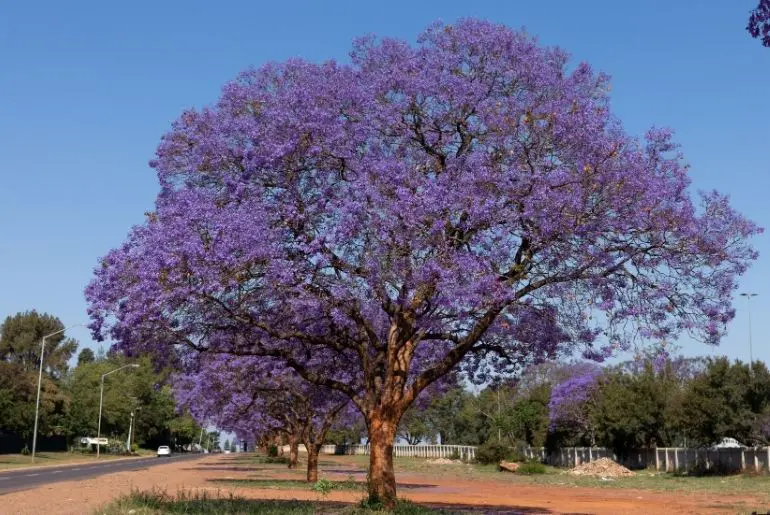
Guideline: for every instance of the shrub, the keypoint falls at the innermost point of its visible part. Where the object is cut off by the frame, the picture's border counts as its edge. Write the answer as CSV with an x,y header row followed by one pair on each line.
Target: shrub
x,y
25,450
455,455
323,487
275,459
531,467
272,451
705,468
494,452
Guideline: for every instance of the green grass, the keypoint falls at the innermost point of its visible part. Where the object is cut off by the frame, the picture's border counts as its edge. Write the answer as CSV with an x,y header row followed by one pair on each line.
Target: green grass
x,y
260,459
754,485
13,461
290,484
160,503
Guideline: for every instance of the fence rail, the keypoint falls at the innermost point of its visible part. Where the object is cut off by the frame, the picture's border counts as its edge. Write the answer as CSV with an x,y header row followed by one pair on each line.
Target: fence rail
x,y
668,459
462,452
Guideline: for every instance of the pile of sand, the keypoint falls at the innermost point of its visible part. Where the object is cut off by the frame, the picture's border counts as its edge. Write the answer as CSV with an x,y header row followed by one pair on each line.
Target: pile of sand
x,y
603,467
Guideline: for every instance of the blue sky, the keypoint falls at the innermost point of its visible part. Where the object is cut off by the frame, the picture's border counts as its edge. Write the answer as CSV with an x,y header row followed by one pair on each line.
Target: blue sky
x,y
88,88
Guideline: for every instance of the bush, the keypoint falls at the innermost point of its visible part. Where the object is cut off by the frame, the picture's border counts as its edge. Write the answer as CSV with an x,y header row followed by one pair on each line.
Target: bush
x,y
531,467
703,468
455,455
25,451
494,452
323,487
272,451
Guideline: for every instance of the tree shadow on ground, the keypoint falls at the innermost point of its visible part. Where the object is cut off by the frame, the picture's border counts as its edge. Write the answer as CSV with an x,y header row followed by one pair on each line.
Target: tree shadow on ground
x,y
302,484
231,469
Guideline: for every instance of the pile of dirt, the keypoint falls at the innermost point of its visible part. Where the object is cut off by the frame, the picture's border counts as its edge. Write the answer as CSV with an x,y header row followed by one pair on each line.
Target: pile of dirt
x,y
443,461
603,467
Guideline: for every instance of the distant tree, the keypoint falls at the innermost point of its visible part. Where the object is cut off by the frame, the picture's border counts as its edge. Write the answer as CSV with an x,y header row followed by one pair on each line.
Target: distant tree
x,y
213,439
570,405
141,390
227,444
18,391
346,434
450,418
86,356
630,410
21,336
759,22
727,400
529,417
413,427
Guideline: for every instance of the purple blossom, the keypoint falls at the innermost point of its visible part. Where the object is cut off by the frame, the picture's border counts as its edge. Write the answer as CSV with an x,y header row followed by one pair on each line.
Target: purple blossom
x,y
759,22
568,398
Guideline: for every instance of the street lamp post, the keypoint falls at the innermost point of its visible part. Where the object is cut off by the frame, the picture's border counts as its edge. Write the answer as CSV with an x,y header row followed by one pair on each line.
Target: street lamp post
x,y
751,354
40,381
101,400
130,427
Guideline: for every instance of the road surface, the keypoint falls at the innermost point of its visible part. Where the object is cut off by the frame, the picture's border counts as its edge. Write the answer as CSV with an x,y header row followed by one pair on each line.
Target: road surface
x,y
22,479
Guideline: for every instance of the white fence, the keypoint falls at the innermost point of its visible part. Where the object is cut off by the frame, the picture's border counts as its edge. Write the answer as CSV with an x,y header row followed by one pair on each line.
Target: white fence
x,y
668,459
463,452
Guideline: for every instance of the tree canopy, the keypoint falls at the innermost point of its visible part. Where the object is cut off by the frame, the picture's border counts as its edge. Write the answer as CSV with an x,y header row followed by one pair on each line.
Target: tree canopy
x,y
21,336
759,22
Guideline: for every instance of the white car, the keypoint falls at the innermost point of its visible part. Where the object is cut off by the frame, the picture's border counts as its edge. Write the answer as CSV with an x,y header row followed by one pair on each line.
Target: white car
x,y
164,450
729,443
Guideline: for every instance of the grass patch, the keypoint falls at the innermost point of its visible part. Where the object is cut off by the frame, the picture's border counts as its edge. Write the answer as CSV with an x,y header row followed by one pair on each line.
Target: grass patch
x,y
13,461
292,484
757,486
531,467
156,502
254,458
160,503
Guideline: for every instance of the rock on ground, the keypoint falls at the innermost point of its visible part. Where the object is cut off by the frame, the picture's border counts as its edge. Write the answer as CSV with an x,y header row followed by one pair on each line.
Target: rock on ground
x,y
509,466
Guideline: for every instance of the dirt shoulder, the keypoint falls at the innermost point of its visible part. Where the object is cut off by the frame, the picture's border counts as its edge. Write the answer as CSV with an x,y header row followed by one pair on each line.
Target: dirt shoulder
x,y
212,473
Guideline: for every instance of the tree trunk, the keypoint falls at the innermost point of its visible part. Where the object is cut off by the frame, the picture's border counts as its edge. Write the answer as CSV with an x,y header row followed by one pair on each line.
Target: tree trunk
x,y
293,451
312,461
382,478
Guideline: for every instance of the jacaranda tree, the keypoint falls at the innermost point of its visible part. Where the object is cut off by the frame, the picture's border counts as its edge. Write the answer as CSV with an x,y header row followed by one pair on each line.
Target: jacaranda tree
x,y
373,224
759,22
257,397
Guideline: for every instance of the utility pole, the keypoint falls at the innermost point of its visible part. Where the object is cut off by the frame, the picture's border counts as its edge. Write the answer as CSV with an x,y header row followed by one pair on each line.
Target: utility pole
x,y
130,427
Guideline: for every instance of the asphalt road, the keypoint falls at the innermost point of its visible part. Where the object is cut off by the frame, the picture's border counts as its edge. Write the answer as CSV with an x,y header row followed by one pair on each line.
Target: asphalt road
x,y
22,479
